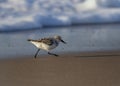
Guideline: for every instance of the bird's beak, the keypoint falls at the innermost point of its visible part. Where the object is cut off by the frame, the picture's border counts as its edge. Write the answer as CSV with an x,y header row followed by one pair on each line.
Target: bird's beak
x,y
63,41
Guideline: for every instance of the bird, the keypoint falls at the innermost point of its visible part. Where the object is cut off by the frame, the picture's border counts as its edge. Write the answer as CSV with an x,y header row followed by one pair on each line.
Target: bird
x,y
47,44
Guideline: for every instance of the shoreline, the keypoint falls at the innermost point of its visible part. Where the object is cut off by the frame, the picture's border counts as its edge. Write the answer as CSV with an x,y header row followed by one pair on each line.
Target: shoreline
x,y
85,54
58,26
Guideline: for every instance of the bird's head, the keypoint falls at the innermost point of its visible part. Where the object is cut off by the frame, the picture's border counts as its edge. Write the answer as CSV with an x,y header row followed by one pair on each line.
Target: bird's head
x,y
59,39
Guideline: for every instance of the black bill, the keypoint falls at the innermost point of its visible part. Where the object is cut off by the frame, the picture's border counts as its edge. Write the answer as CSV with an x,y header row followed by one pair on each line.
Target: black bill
x,y
63,42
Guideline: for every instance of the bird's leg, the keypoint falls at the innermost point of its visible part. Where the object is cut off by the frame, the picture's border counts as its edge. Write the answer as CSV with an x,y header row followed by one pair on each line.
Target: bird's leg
x,y
52,54
36,53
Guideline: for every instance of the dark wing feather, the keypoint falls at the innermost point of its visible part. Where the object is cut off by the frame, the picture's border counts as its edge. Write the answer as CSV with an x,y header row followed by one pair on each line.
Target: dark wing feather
x,y
47,41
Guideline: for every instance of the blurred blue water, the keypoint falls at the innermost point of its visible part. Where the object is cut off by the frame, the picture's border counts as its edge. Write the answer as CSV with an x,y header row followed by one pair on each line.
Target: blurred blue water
x,y
78,38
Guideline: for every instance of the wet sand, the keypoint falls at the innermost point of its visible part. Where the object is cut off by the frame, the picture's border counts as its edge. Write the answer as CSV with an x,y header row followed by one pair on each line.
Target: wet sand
x,y
86,69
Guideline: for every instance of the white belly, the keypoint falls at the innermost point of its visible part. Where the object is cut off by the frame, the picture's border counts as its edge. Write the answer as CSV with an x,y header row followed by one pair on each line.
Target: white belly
x,y
47,47
44,46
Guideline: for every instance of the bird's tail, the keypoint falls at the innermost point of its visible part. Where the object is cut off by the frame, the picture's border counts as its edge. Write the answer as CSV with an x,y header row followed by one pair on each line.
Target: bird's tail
x,y
30,40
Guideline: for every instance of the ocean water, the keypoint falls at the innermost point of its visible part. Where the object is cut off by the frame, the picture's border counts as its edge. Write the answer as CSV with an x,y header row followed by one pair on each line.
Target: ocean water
x,y
26,14
83,38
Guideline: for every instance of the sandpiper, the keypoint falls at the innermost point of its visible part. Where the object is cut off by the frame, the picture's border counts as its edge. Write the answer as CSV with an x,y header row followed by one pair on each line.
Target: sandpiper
x,y
47,44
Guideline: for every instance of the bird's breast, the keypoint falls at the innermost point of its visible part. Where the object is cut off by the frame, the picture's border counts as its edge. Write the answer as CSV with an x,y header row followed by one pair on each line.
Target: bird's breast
x,y
46,46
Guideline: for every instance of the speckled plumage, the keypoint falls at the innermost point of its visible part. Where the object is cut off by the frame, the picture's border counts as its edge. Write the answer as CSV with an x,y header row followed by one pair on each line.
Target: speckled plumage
x,y
47,43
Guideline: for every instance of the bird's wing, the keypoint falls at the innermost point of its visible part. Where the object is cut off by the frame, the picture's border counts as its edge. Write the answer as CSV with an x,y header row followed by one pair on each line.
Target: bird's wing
x,y
47,41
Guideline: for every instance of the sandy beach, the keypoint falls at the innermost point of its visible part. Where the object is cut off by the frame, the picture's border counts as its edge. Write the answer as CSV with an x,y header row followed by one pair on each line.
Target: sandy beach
x,y
92,69
79,63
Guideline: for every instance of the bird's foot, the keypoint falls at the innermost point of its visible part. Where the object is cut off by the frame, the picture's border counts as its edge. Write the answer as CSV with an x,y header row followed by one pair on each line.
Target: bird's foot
x,y
56,55
53,54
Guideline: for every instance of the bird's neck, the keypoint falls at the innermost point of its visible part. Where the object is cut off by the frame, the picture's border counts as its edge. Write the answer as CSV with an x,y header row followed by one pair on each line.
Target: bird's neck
x,y
56,42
